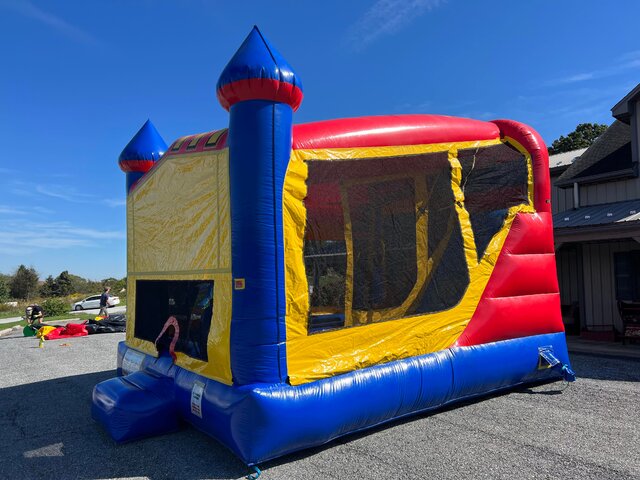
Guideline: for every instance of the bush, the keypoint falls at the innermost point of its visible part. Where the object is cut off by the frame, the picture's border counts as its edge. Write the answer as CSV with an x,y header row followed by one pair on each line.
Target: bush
x,y
55,306
5,308
331,291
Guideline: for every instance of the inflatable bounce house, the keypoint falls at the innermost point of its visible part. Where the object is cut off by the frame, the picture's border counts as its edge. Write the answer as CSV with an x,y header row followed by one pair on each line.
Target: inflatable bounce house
x,y
290,284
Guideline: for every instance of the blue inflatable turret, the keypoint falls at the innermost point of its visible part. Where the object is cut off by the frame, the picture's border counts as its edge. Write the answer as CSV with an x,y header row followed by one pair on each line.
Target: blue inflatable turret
x,y
143,150
261,91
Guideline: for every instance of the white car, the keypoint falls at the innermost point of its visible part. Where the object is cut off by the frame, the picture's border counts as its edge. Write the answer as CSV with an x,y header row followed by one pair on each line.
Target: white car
x,y
94,302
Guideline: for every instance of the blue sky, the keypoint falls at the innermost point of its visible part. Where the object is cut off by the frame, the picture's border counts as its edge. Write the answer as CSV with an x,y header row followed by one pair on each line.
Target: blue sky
x,y
79,78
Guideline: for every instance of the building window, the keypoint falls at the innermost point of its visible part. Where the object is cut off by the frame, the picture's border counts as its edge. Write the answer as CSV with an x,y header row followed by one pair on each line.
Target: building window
x,y
627,273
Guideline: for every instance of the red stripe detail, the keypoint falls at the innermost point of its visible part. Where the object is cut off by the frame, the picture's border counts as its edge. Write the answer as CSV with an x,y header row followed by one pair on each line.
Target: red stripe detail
x,y
259,89
222,142
391,130
136,165
202,143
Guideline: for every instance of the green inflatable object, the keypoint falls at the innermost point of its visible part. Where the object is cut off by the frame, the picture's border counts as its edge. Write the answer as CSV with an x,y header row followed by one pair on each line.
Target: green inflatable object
x,y
29,331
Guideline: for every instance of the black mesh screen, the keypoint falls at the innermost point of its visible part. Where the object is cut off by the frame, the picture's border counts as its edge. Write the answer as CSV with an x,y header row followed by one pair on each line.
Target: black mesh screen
x,y
325,253
326,266
448,278
493,179
383,228
386,209
189,301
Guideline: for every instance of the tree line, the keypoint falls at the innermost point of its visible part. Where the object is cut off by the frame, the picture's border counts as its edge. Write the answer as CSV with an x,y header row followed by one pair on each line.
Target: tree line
x,y
582,137
25,284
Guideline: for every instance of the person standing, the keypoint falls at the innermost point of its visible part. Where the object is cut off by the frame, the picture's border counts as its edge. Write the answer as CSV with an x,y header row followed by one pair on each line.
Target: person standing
x,y
104,302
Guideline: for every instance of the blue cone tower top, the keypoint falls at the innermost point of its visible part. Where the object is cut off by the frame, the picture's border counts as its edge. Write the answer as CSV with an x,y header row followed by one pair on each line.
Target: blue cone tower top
x,y
257,71
143,150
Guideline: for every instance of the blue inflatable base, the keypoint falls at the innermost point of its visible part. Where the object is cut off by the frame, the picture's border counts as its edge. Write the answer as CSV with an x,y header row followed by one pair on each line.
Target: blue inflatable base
x,y
259,422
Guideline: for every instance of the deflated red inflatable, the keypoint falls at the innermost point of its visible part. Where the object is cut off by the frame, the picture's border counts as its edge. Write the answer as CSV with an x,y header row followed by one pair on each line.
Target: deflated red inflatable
x,y
70,330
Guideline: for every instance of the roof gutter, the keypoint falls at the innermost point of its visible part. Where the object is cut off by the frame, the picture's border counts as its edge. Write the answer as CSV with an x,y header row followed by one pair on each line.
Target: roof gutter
x,y
617,175
609,231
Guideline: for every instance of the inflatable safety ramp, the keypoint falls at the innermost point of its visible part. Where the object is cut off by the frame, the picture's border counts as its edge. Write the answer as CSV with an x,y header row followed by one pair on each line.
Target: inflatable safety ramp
x,y
137,405
289,284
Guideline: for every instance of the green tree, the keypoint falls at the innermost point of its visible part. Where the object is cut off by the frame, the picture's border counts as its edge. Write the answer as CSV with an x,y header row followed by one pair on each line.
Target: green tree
x,y
24,283
48,288
82,285
64,285
582,137
116,285
78,284
4,289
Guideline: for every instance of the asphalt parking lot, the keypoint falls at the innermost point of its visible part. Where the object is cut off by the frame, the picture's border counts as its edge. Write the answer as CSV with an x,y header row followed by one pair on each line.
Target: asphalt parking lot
x,y
590,430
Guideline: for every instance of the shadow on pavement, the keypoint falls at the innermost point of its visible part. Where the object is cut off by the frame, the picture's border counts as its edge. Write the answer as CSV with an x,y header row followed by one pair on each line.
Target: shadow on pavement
x,y
47,432
529,391
599,367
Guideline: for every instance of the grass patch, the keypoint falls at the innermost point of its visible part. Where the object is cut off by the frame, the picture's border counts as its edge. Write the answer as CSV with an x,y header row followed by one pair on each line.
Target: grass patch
x,y
11,313
4,326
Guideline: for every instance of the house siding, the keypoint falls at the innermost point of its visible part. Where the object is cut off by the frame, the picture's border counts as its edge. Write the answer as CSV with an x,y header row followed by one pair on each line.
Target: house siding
x,y
615,191
568,265
561,198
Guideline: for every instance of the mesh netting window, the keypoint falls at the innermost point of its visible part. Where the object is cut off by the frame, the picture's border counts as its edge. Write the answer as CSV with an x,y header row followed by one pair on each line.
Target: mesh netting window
x,y
383,229
448,277
325,255
189,301
384,240
493,179
326,266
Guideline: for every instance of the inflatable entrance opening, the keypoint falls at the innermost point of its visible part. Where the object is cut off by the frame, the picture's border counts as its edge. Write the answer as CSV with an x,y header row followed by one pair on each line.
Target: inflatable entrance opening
x,y
289,284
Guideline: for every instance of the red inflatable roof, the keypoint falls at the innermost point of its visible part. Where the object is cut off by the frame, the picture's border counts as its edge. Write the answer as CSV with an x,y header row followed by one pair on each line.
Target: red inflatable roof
x,y
391,130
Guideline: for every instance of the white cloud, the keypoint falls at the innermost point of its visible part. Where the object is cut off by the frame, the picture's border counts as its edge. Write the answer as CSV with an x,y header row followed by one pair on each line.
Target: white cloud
x,y
386,17
19,238
24,210
115,202
43,210
63,192
622,64
585,104
29,10
8,210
